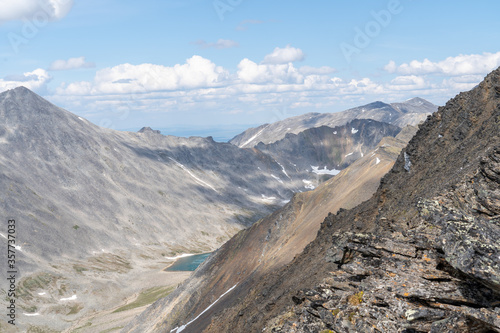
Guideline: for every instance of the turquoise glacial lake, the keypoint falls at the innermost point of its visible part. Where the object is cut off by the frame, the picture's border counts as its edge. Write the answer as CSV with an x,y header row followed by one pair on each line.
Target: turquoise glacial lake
x,y
188,263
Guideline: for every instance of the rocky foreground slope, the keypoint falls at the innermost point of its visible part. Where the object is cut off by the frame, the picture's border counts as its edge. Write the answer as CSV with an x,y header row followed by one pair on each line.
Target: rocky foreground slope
x,y
271,243
411,112
422,255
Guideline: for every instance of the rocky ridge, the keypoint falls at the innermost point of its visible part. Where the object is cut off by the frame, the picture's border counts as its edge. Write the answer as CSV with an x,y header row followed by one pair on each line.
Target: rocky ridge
x,y
422,255
411,112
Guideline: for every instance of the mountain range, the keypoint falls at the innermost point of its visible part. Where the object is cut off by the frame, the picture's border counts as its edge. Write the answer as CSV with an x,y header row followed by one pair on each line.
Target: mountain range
x,y
421,255
98,207
411,112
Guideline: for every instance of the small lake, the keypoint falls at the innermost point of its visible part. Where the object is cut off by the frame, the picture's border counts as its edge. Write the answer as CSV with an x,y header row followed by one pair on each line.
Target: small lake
x,y
188,263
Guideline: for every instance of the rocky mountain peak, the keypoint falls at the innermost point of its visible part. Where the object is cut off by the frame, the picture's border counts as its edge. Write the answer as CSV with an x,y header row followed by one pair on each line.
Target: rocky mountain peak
x,y
414,105
376,105
149,130
25,97
21,108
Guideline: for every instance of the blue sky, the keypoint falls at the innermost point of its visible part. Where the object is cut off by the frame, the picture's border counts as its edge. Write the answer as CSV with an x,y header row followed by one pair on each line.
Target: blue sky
x,y
223,64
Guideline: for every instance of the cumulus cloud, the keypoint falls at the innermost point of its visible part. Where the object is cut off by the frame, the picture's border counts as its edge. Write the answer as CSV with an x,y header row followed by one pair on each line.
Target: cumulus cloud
x,y
71,63
32,80
197,72
284,55
199,84
408,82
461,83
250,72
454,66
220,44
39,10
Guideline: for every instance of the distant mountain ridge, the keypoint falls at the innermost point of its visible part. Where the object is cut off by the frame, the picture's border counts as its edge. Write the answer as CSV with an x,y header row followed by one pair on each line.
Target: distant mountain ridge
x,y
410,112
331,149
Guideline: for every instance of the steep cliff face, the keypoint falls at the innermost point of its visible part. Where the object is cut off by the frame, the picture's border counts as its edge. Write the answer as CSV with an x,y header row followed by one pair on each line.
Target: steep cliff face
x,y
271,243
422,255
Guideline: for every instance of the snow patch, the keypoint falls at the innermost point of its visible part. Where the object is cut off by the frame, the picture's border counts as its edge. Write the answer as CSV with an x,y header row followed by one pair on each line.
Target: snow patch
x,y
354,131
198,180
277,178
268,199
308,184
81,118
42,293
334,132
31,314
349,154
252,138
283,170
377,161
181,328
324,171
72,298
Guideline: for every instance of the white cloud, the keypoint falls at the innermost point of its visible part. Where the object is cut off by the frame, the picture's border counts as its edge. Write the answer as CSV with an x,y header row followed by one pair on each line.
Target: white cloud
x,y
220,44
71,63
408,82
250,72
461,83
284,55
454,66
391,67
32,80
199,84
197,72
40,10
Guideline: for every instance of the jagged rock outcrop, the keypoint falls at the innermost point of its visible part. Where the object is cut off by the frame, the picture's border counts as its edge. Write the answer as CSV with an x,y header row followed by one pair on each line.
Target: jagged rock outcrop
x,y
422,255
